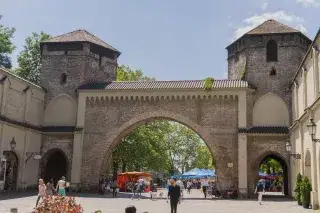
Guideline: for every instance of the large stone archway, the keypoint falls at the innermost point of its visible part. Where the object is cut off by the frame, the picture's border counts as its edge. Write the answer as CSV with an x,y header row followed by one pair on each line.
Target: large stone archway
x,y
107,122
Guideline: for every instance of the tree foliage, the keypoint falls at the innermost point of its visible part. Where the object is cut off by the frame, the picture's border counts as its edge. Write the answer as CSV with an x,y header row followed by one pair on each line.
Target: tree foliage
x,y
159,145
6,45
29,59
271,166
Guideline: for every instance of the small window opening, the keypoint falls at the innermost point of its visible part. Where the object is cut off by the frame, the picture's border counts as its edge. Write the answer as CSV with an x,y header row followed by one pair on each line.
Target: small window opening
x,y
273,72
272,51
100,58
63,78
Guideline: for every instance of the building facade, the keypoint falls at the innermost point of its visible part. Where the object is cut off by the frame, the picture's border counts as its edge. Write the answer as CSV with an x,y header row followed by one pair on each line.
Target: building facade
x,y
83,113
305,106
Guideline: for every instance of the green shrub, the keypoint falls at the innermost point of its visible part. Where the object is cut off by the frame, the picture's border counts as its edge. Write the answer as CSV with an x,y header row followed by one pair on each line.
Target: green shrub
x,y
297,189
305,189
208,83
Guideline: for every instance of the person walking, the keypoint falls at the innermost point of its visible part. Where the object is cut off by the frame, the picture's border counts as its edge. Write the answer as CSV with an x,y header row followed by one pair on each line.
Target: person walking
x,y
42,191
174,194
50,187
61,186
189,184
260,189
205,185
114,187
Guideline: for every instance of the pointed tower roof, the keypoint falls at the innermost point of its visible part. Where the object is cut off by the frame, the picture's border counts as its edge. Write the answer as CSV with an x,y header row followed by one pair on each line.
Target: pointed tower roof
x,y
270,27
82,36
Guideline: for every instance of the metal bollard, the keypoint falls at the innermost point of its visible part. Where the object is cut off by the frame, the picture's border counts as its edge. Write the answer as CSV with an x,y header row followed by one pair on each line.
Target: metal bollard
x,y
14,210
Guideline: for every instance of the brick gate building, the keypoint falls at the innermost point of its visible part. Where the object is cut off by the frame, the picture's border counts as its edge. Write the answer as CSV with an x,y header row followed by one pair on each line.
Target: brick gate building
x,y
243,119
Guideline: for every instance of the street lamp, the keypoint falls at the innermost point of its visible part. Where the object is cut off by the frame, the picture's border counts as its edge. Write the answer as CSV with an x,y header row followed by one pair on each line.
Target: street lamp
x,y
312,129
289,149
13,144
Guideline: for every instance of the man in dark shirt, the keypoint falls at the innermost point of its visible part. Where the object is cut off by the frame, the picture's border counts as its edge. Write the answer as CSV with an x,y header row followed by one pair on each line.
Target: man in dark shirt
x,y
174,193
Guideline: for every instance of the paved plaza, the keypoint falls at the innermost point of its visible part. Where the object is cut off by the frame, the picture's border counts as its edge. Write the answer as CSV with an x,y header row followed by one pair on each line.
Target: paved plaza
x,y
192,204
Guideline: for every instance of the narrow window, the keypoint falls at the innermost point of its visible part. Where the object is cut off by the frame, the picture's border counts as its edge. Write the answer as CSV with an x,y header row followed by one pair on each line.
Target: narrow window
x,y
272,51
63,78
273,72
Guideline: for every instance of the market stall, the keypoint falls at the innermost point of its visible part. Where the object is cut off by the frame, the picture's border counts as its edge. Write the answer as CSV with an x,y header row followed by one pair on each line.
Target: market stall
x,y
127,178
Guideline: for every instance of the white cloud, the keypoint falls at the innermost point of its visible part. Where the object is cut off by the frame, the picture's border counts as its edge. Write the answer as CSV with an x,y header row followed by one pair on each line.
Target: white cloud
x,y
264,5
301,28
255,20
309,3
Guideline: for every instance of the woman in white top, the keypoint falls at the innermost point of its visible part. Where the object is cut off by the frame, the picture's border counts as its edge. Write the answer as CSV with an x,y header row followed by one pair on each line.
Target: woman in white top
x,y
61,186
42,191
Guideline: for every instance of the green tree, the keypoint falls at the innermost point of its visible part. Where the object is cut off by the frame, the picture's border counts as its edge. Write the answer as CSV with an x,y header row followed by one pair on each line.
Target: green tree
x,y
204,158
270,166
6,45
29,59
125,73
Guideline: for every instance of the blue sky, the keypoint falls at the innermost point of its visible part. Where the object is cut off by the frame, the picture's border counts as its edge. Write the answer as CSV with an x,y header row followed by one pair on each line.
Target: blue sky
x,y
168,40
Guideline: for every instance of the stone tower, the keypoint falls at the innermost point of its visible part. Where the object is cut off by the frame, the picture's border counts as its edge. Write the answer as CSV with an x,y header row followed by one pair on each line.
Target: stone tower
x,y
74,59
69,62
267,57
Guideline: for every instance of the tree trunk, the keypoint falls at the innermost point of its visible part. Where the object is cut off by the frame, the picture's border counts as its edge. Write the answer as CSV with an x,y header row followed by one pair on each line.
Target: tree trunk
x,y
124,167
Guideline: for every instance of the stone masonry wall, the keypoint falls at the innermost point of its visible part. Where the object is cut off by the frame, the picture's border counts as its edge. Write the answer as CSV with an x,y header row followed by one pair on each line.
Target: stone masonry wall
x,y
80,67
215,120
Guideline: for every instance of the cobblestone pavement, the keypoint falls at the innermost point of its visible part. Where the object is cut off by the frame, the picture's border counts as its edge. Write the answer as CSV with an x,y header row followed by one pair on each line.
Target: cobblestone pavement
x,y
192,204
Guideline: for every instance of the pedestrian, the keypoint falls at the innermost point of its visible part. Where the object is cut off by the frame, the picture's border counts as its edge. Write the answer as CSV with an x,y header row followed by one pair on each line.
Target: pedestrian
x,y
205,185
61,186
189,184
174,194
114,187
260,189
42,191
50,187
130,209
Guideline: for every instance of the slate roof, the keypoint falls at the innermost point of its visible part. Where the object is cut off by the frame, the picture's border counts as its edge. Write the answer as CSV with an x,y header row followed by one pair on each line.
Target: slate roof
x,y
271,26
266,130
80,35
154,85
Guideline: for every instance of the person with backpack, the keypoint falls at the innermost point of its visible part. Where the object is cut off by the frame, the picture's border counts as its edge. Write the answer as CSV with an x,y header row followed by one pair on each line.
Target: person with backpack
x,y
260,189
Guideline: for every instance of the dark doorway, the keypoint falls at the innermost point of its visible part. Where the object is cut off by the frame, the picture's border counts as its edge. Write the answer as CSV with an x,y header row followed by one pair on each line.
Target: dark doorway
x,y
56,166
11,170
281,176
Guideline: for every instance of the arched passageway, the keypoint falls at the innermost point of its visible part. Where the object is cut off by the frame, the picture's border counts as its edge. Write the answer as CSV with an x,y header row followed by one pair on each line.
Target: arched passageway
x,y
275,173
55,165
11,170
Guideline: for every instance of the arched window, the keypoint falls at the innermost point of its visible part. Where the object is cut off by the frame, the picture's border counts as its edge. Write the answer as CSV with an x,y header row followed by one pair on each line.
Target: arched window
x,y
63,78
272,51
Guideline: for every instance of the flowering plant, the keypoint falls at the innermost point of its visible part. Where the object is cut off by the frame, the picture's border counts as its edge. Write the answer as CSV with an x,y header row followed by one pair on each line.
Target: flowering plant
x,y
58,204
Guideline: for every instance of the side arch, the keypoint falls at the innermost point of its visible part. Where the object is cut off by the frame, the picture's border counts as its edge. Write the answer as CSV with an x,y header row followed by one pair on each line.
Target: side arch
x,y
61,111
55,165
283,162
270,110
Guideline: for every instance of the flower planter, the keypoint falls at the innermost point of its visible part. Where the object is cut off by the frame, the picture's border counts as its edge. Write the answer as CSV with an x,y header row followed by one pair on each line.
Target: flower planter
x,y
306,205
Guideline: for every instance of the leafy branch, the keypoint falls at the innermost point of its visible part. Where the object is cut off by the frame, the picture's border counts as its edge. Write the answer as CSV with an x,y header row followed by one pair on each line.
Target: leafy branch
x,y
208,83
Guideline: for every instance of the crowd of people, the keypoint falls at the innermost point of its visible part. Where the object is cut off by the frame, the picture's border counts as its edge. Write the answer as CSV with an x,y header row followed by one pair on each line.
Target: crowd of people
x,y
50,189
